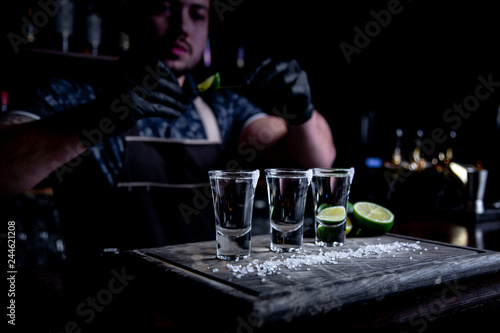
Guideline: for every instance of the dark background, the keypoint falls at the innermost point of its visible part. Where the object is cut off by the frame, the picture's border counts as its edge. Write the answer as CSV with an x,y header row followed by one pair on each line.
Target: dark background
x,y
425,60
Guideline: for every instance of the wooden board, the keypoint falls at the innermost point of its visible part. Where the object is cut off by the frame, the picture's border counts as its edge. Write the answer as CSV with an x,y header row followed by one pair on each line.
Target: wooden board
x,y
313,289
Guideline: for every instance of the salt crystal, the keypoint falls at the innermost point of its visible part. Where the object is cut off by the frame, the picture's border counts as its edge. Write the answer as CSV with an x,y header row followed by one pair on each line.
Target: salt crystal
x,y
215,270
273,265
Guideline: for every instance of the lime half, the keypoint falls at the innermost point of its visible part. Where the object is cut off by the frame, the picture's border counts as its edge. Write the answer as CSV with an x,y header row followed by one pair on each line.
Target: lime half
x,y
372,217
332,215
211,82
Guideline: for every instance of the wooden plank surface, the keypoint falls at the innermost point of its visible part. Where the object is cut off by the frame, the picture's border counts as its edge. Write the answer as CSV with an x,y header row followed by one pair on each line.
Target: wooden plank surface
x,y
354,274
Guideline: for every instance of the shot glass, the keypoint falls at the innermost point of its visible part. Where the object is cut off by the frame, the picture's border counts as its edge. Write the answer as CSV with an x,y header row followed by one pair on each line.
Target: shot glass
x,y
233,196
287,193
330,190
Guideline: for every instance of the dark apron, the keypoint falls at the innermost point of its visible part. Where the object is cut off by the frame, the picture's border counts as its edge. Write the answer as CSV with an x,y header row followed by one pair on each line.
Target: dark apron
x,y
165,188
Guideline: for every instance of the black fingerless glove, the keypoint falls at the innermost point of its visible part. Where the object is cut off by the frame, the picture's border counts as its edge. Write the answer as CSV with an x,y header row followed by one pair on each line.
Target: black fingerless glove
x,y
152,91
281,88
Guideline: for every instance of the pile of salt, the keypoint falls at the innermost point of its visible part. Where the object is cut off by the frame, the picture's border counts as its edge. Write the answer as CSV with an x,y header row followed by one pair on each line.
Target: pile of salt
x,y
294,262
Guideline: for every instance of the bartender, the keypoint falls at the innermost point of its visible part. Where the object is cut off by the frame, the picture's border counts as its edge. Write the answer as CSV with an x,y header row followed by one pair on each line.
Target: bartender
x,y
128,153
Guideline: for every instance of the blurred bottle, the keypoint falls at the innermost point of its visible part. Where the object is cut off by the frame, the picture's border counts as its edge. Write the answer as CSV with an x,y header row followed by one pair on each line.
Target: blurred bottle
x,y
396,155
445,157
418,162
30,29
240,57
449,150
64,22
5,101
454,176
94,29
123,41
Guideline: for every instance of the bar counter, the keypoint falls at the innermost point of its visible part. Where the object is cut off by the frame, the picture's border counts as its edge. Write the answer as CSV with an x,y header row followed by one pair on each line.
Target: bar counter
x,y
381,283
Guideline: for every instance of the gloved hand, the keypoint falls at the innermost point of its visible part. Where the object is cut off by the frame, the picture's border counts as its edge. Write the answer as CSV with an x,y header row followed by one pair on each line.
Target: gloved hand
x,y
152,91
281,88
143,91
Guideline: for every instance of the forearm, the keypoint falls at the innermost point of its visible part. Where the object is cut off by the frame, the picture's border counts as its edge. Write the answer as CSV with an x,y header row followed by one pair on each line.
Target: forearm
x,y
29,152
311,144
